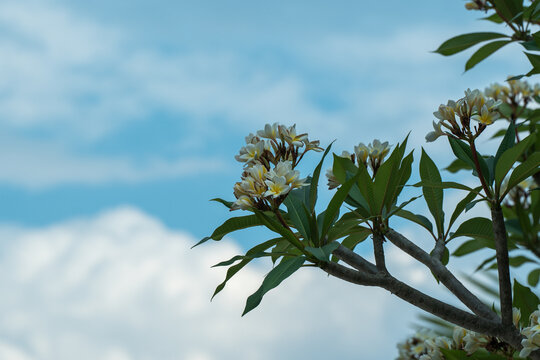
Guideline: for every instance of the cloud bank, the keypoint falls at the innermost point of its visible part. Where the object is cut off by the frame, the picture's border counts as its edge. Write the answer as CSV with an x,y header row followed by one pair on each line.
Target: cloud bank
x,y
121,286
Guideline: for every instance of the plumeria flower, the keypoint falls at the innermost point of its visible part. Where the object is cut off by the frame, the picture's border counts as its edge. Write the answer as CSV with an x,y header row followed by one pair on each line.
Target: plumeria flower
x,y
532,335
244,202
485,116
378,150
362,153
446,112
436,133
298,183
458,336
250,152
258,172
516,316
270,131
283,168
474,341
291,137
277,187
332,181
313,145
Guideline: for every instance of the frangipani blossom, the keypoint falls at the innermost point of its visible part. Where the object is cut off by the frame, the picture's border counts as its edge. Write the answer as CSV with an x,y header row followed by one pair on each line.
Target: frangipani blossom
x,y
436,133
277,187
270,131
485,116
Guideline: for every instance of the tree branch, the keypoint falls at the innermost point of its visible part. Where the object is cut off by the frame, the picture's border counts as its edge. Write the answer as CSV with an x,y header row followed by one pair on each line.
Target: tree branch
x,y
503,266
353,259
378,251
444,275
414,297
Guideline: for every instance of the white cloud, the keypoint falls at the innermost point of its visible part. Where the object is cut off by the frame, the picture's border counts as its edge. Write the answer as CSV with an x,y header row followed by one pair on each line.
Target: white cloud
x,y
80,80
37,165
121,286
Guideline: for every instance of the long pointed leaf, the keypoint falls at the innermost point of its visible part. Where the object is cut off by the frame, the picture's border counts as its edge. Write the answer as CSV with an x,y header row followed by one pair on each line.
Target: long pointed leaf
x,y
283,270
432,195
231,225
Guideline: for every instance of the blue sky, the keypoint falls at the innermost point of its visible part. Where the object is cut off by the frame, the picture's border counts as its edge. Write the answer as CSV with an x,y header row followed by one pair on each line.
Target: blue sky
x,y
107,105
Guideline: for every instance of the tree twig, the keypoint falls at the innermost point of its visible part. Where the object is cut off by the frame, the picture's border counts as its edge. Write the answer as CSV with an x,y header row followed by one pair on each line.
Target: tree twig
x,y
443,274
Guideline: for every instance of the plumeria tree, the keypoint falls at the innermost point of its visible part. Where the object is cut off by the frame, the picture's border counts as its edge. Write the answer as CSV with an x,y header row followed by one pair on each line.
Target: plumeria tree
x,y
368,182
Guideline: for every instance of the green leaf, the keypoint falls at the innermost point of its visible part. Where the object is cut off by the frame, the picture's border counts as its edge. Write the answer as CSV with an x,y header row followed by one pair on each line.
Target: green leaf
x,y
465,41
391,177
295,203
283,270
343,169
444,185
228,204
525,300
323,253
332,211
315,180
246,260
433,196
517,261
471,246
231,225
477,228
508,158
484,52
511,10
507,142
464,152
276,226
524,170
462,205
416,218
533,277
535,62
457,165
493,18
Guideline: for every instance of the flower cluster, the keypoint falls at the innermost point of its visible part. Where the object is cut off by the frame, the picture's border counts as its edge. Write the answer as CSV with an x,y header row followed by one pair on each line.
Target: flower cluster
x,y
270,158
456,116
477,5
371,155
515,93
532,335
424,345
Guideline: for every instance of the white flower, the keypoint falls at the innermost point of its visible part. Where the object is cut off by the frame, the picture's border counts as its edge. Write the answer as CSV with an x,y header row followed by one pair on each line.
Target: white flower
x,y
257,172
277,187
446,112
362,152
516,316
313,145
378,150
532,335
244,202
436,133
458,336
332,181
291,137
485,116
474,341
270,131
250,152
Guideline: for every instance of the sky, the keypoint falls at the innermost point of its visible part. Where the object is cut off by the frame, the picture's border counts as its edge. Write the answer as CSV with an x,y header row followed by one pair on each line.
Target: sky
x,y
120,121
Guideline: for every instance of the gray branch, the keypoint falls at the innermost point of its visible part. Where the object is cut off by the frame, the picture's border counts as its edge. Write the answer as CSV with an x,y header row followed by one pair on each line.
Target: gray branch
x,y
443,274
414,297
353,259
503,266
378,251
